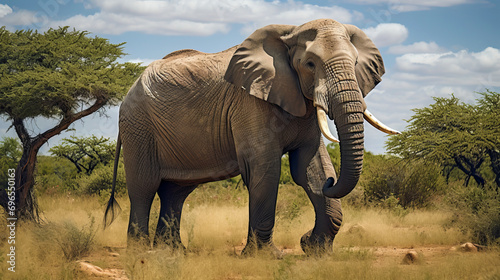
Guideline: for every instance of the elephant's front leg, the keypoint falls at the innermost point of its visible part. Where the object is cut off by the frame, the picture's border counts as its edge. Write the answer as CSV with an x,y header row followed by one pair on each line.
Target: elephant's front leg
x,y
310,168
262,179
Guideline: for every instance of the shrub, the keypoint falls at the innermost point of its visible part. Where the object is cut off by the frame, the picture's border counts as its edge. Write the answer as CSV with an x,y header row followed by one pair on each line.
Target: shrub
x,y
74,242
421,183
412,183
101,180
356,198
55,173
476,211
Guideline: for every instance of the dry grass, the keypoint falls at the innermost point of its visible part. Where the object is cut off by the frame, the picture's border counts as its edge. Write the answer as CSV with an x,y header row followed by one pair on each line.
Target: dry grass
x,y
371,244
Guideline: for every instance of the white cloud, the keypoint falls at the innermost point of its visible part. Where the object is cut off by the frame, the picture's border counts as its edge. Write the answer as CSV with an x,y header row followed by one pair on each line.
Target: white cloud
x,y
452,68
297,14
117,24
412,5
198,17
10,18
418,77
5,10
387,34
418,47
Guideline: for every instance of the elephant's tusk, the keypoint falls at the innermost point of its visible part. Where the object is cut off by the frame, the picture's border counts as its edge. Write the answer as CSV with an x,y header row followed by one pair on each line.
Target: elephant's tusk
x,y
323,125
378,124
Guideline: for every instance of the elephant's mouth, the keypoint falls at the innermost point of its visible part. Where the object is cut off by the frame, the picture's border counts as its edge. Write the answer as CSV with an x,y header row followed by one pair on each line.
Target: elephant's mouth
x,y
369,117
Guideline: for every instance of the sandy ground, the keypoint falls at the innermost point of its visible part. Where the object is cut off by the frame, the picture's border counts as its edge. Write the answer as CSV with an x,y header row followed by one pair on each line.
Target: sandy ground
x,y
383,256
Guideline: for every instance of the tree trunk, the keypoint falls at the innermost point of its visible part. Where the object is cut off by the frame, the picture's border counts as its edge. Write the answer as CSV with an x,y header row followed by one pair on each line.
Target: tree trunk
x,y
471,169
26,204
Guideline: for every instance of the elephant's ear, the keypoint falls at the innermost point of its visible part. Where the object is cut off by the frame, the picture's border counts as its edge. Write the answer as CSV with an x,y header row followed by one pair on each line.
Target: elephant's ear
x,y
370,67
260,65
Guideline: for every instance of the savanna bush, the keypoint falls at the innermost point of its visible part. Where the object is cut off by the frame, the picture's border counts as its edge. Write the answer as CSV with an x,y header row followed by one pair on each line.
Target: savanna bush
x,y
73,241
55,174
101,180
411,183
476,211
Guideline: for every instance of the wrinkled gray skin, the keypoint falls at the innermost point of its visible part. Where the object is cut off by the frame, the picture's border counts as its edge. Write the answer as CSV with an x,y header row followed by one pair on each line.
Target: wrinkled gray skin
x,y
194,117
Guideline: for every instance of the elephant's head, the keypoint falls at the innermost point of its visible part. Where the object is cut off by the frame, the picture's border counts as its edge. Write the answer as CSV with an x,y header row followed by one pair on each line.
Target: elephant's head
x,y
331,64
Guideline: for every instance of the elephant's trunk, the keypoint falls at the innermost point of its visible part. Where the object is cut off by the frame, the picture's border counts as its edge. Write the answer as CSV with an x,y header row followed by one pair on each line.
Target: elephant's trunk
x,y
351,156
346,108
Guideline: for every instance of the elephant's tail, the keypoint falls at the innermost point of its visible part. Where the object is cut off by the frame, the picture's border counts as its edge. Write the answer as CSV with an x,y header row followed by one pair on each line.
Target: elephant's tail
x,y
113,208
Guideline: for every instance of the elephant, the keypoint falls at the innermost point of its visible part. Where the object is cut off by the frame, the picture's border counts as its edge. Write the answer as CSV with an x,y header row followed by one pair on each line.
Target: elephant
x,y
195,117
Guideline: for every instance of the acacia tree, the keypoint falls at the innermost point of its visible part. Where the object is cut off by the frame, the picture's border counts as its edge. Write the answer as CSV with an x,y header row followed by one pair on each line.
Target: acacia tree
x,y
488,110
455,135
61,74
86,153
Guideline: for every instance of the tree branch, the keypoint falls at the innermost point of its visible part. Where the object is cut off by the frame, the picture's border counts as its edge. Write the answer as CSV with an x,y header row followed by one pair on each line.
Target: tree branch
x,y
75,162
40,139
21,131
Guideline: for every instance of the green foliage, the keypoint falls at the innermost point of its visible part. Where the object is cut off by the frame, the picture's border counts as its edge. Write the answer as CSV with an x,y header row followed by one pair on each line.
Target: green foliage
x,y
292,200
55,174
86,153
286,175
10,153
54,73
476,211
454,135
489,110
10,150
100,182
59,74
334,152
433,131
411,183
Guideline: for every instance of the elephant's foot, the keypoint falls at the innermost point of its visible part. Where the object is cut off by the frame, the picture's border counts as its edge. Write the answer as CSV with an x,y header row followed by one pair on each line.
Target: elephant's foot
x,y
268,249
316,245
255,247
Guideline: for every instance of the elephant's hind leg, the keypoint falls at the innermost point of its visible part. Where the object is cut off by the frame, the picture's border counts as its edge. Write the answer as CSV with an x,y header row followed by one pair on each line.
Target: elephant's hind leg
x,y
141,171
138,227
172,197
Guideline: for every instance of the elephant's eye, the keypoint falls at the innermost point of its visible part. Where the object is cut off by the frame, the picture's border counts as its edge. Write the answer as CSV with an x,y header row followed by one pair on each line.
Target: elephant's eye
x,y
310,65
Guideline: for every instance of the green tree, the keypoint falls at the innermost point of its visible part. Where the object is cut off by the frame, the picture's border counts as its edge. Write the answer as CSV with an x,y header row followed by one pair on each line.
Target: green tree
x,y
453,134
489,113
86,153
10,153
60,74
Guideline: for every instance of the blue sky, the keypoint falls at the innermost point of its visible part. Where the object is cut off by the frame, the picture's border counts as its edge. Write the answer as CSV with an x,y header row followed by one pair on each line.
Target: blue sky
x,y
434,48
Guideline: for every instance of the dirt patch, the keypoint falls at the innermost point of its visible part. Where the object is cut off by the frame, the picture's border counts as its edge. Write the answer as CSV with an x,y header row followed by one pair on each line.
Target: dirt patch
x,y
105,263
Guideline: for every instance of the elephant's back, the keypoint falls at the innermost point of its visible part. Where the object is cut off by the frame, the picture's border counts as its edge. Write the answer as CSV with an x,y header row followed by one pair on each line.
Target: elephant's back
x,y
185,70
189,107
